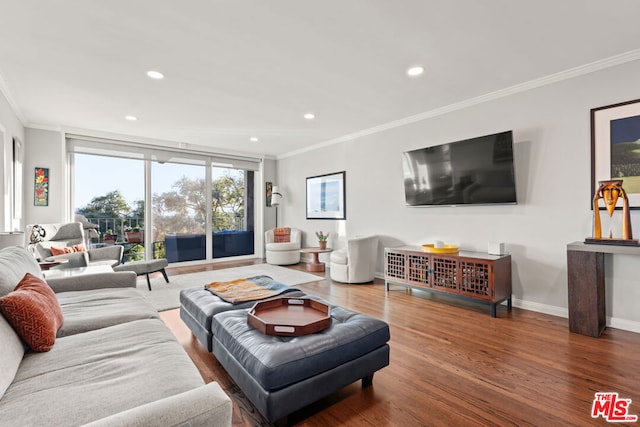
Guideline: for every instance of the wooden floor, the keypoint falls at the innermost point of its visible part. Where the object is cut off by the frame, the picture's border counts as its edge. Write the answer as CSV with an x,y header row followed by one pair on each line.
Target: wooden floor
x,y
453,365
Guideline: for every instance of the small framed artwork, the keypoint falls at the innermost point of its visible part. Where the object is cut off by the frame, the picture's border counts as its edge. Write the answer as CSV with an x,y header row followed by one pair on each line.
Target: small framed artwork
x,y
326,196
268,193
41,187
615,147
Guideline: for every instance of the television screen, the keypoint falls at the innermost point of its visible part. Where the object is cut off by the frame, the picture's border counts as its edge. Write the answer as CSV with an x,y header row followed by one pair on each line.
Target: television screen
x,y
473,171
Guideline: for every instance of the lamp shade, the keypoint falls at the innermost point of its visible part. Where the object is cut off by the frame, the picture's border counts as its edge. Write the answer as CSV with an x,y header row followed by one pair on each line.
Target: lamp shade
x,y
11,238
276,196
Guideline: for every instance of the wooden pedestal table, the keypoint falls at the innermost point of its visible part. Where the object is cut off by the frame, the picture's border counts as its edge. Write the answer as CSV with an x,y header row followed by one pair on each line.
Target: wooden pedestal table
x,y
316,266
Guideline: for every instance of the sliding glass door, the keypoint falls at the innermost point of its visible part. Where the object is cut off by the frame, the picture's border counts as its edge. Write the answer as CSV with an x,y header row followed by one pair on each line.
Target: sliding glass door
x,y
179,210
109,194
232,212
199,207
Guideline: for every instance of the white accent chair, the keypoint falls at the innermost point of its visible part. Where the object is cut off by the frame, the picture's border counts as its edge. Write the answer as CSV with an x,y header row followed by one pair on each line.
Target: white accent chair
x,y
357,262
283,253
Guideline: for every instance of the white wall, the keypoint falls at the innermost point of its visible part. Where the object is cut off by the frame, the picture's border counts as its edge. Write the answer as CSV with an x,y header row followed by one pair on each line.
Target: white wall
x,y
551,127
46,149
10,127
269,168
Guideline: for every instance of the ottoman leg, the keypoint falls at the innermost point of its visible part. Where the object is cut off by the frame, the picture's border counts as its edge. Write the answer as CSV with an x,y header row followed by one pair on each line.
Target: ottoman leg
x,y
164,273
282,422
148,281
367,381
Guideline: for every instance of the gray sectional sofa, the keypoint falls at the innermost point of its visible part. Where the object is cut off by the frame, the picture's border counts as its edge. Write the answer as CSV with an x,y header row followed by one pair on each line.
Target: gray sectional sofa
x,y
114,362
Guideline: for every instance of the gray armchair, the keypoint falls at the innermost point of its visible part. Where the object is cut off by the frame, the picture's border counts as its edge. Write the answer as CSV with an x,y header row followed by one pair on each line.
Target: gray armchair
x,y
43,237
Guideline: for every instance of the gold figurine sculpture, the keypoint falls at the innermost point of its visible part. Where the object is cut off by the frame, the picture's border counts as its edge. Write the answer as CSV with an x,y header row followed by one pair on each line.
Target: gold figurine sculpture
x,y
610,191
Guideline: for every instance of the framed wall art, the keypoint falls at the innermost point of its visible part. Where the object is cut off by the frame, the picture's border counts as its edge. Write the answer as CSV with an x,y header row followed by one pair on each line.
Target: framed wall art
x,y
41,187
615,147
268,193
326,196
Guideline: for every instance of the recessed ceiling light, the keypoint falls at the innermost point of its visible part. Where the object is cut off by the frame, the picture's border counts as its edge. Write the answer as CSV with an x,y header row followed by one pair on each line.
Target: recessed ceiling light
x,y
131,118
155,75
253,139
415,71
309,116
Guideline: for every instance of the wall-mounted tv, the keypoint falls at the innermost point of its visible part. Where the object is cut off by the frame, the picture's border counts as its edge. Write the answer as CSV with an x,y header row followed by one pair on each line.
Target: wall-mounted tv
x,y
473,171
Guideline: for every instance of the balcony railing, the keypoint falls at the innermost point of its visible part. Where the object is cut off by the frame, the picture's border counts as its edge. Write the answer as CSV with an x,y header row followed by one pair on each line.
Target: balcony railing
x,y
226,242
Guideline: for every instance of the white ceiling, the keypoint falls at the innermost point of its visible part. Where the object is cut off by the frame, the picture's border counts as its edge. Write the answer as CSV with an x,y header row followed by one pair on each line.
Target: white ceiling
x,y
241,68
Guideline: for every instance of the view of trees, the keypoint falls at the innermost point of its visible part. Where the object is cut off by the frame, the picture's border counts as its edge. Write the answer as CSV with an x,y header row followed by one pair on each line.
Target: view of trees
x,y
181,210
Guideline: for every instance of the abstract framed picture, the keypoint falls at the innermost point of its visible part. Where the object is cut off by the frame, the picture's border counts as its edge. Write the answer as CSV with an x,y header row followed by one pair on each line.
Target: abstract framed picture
x,y
268,193
615,147
326,196
41,187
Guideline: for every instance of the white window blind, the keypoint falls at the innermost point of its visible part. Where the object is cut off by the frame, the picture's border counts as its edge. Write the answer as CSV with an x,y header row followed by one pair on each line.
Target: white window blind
x,y
133,150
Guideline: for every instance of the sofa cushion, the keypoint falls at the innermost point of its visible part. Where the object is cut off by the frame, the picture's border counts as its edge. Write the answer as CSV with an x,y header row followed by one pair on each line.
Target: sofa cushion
x,y
34,312
87,311
89,376
14,263
11,354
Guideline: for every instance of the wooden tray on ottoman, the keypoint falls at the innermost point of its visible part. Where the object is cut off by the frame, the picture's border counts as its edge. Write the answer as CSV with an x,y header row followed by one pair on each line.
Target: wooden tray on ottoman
x,y
290,317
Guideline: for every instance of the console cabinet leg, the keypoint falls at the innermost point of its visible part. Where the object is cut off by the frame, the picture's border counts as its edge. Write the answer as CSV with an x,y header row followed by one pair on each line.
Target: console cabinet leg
x,y
585,271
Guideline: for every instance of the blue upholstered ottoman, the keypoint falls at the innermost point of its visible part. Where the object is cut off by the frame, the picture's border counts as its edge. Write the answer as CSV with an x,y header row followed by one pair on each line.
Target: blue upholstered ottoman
x,y
198,306
283,374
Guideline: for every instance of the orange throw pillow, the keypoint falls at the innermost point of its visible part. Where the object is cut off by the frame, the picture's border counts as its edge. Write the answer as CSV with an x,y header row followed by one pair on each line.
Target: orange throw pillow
x,y
281,235
60,251
34,312
67,250
79,248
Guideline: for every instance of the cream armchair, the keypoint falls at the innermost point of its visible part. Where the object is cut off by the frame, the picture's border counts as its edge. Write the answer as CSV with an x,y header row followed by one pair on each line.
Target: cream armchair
x,y
280,250
43,237
357,262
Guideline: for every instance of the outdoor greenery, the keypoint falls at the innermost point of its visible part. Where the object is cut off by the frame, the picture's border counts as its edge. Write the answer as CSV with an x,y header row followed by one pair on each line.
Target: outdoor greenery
x,y
183,209
180,210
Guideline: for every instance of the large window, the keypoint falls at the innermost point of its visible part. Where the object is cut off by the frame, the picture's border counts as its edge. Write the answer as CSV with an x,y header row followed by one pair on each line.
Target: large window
x,y
198,209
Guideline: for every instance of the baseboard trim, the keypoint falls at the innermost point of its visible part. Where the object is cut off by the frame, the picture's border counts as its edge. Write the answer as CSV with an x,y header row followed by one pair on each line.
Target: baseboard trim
x,y
552,310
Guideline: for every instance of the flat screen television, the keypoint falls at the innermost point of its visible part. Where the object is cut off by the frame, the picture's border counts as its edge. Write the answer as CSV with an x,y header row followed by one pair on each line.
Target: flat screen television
x,y
473,171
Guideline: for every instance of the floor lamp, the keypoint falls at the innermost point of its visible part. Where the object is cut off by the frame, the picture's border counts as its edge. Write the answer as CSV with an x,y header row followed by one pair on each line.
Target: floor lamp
x,y
276,198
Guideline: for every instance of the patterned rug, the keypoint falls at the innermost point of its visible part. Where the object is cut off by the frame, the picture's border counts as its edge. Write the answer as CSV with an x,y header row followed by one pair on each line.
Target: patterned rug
x,y
166,296
249,289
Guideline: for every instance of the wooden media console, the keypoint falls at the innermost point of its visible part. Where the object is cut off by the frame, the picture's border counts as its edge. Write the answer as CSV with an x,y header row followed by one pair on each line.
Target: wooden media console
x,y
474,275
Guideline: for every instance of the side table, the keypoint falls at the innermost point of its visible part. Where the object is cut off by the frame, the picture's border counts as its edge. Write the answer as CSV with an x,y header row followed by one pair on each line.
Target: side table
x,y
316,266
586,285
46,264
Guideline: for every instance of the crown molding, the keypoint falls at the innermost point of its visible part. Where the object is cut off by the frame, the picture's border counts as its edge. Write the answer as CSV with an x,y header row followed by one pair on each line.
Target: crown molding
x,y
571,73
38,126
4,89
